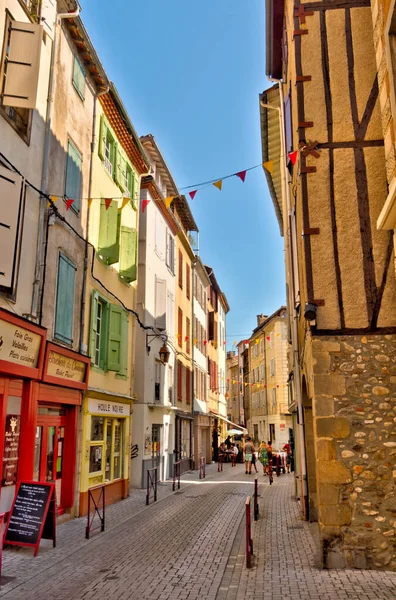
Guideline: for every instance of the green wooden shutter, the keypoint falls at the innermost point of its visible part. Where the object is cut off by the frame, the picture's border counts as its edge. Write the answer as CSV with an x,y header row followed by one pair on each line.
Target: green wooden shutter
x,y
109,231
92,331
124,344
73,175
102,137
114,346
117,166
128,254
78,78
65,300
135,192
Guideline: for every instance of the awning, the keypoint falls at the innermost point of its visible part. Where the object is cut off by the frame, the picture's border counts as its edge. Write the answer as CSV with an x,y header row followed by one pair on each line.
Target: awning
x,y
243,429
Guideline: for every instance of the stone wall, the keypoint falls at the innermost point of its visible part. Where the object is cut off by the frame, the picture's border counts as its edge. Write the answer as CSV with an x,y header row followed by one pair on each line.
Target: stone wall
x,y
354,412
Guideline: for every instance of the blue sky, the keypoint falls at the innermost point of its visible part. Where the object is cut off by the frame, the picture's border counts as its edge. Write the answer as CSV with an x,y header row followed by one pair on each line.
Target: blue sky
x,y
190,74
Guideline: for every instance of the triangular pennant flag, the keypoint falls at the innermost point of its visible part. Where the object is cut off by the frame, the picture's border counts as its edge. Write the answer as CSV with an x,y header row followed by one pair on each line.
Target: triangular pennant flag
x,y
192,194
168,201
293,157
205,342
145,203
195,340
218,184
186,338
257,341
241,175
89,202
108,202
269,165
69,203
224,342
246,384
125,201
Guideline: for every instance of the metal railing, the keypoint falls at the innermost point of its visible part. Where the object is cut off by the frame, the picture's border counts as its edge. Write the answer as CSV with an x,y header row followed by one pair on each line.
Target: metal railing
x,y
255,500
98,505
176,475
249,541
152,482
202,467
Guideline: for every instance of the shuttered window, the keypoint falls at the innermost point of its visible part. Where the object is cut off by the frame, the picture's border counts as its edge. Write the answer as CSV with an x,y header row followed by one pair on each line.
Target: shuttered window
x,y
179,381
109,246
188,336
108,345
188,385
64,311
160,304
73,175
188,281
78,78
180,269
180,327
128,254
211,326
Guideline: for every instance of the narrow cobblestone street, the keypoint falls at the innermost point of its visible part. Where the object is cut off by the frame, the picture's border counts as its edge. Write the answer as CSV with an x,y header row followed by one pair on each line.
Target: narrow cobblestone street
x,y
190,544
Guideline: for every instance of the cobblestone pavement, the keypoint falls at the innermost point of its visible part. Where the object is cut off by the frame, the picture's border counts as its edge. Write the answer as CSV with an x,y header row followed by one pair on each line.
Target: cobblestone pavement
x,y
189,545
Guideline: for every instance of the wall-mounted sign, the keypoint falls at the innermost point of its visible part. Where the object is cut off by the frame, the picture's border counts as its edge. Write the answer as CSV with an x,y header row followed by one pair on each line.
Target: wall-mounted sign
x,y
18,345
106,407
65,367
11,450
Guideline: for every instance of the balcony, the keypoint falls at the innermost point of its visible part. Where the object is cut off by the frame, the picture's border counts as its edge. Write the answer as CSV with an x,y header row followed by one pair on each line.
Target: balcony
x,y
33,8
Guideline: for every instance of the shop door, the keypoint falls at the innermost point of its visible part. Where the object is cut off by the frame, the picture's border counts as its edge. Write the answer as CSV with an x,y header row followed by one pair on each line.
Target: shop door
x,y
48,451
156,448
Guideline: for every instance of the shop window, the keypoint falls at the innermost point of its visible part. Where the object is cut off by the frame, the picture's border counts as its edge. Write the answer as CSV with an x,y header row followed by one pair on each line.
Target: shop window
x,y
64,310
73,175
108,345
106,444
78,78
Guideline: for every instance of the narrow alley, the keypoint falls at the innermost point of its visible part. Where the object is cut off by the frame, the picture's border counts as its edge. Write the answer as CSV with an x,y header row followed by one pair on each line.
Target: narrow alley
x,y
190,544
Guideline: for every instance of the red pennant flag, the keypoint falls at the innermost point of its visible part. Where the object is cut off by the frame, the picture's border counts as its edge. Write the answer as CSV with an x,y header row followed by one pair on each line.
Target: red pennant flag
x,y
107,202
69,203
144,205
224,343
228,380
241,175
265,385
277,386
205,342
268,338
186,338
293,157
192,194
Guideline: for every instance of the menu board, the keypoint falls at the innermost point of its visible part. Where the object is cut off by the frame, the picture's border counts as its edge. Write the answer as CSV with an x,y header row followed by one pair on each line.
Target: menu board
x,y
11,450
32,515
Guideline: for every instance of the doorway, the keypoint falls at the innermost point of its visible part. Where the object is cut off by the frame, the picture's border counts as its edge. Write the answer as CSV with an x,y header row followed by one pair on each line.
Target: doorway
x,y
49,449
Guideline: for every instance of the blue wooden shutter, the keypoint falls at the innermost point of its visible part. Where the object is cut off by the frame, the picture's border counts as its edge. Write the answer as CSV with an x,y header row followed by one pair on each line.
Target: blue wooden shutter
x,y
65,300
114,346
73,175
128,254
109,230
92,332
78,78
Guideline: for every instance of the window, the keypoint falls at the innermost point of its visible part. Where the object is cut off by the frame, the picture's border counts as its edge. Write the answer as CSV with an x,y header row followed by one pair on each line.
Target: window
x,y
188,336
170,317
180,327
272,367
78,78
73,175
19,73
33,7
272,433
106,447
109,155
188,282
170,384
262,346
170,252
180,269
107,146
108,344
157,383
64,311
179,381
188,385
160,304
273,396
109,232
159,235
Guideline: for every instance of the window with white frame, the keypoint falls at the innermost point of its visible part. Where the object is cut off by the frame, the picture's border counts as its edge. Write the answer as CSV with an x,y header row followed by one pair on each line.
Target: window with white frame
x,y
272,367
273,396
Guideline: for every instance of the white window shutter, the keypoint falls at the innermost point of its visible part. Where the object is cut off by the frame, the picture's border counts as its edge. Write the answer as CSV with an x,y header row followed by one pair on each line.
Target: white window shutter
x,y
10,205
23,65
160,304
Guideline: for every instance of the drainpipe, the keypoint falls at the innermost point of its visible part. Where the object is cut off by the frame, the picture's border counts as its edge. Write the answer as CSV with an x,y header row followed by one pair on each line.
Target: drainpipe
x,y
44,178
302,477
84,283
193,265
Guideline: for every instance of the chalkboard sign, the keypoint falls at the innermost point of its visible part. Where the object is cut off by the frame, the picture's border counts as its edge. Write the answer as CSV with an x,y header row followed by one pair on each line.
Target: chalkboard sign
x,y
32,516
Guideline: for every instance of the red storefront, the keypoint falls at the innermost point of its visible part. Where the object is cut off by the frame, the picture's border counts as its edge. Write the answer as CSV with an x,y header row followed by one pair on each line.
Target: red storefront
x,y
41,386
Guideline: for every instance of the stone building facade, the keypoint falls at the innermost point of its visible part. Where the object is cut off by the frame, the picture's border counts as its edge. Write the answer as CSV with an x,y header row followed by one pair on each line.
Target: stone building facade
x,y
329,190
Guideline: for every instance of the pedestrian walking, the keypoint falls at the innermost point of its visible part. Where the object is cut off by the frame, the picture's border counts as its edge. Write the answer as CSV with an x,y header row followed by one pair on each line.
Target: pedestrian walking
x,y
254,461
286,448
263,457
249,449
235,452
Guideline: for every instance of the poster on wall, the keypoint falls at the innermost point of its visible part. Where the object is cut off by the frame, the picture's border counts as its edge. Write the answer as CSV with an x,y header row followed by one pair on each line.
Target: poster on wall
x,y
11,450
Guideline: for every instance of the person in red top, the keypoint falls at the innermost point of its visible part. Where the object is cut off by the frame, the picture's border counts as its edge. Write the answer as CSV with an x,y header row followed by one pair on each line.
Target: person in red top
x,y
286,448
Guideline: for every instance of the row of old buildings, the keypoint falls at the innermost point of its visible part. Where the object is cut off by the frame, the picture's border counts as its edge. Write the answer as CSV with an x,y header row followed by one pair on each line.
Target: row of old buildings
x,y
327,126
112,329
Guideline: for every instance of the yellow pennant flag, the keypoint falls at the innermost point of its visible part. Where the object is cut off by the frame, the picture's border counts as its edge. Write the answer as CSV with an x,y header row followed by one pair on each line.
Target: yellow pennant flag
x,y
218,184
89,202
269,165
125,201
168,201
195,340
54,199
257,341
246,384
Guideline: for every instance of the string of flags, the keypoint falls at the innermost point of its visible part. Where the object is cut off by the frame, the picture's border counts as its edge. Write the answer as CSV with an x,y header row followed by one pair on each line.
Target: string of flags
x,y
217,183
